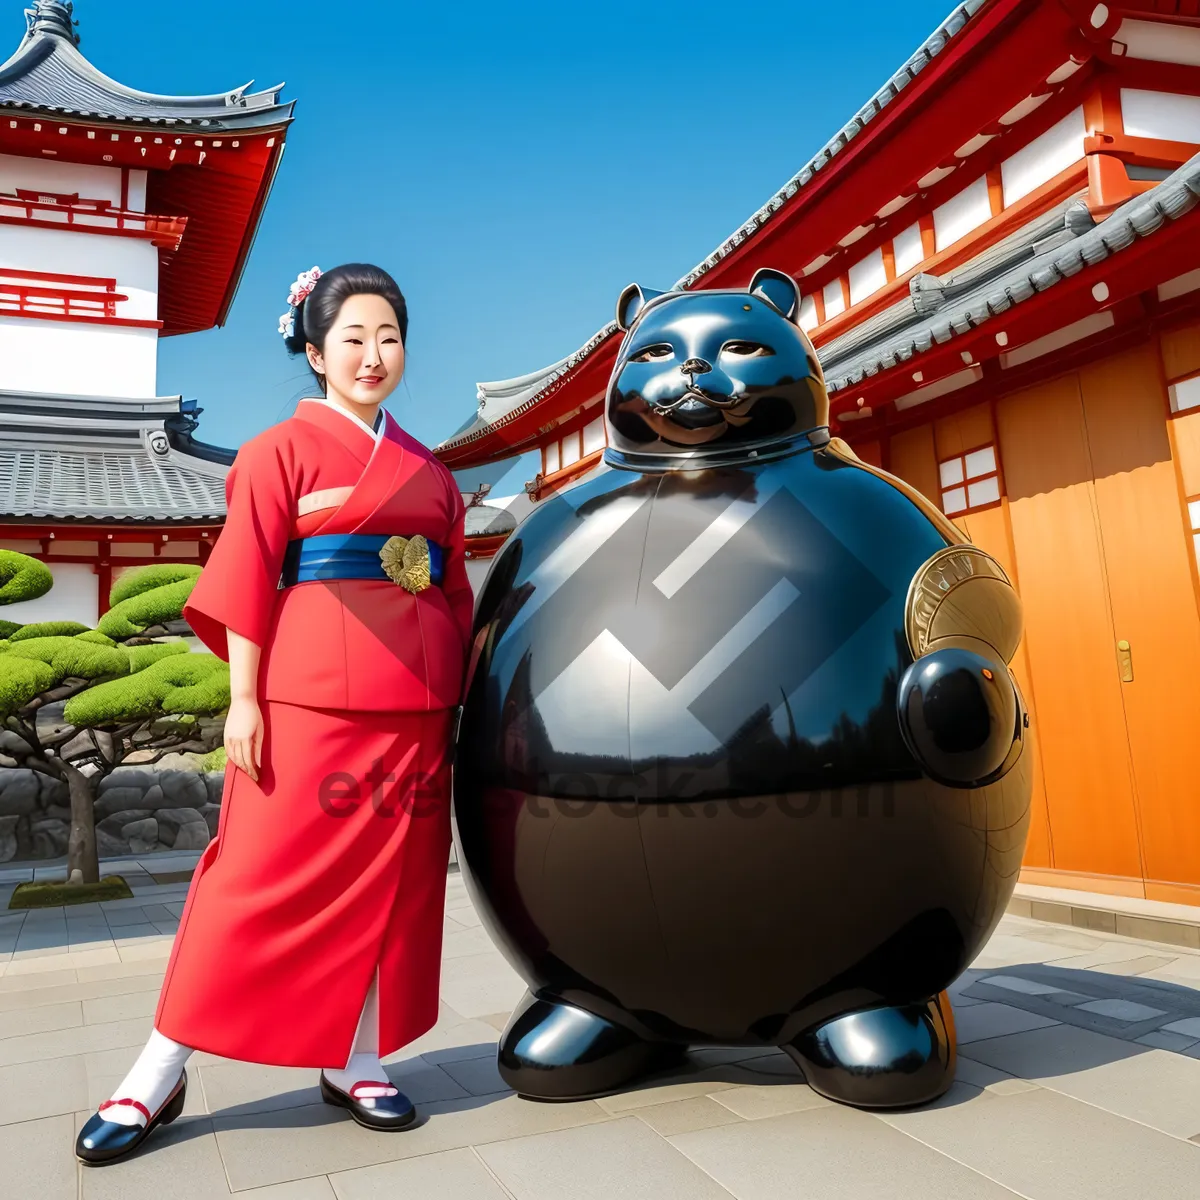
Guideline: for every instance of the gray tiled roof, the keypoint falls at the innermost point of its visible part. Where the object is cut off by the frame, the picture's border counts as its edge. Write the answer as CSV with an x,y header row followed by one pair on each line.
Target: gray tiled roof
x,y
95,458
507,398
49,74
945,313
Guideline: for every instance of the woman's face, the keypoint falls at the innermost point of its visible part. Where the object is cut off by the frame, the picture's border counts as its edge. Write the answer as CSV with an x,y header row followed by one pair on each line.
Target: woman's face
x,y
363,358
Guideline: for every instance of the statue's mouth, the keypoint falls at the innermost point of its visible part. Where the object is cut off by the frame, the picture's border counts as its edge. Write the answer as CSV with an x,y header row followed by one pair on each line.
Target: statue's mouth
x,y
694,400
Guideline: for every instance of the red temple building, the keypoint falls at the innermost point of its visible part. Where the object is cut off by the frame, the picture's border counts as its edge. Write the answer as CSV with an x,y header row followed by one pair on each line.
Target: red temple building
x,y
1000,257
124,217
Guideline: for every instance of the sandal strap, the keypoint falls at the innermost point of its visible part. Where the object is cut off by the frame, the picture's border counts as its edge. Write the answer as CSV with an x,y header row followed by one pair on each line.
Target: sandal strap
x,y
392,1090
131,1103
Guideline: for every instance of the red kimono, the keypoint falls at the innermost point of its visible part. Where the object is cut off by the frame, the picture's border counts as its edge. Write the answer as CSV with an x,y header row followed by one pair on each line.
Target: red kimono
x,y
334,863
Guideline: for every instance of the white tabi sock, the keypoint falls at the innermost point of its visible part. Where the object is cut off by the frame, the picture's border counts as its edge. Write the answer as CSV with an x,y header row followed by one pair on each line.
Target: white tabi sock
x,y
364,1065
150,1081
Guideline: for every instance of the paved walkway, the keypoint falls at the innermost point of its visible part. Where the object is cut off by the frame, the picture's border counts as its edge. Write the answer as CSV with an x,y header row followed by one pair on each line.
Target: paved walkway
x,y
1078,1077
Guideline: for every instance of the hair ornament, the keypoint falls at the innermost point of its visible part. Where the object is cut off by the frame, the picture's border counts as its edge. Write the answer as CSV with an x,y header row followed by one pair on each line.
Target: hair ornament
x,y
302,288
299,292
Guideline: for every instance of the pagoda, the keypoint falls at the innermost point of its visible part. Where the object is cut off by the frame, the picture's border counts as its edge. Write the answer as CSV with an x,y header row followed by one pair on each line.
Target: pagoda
x,y
1000,259
124,217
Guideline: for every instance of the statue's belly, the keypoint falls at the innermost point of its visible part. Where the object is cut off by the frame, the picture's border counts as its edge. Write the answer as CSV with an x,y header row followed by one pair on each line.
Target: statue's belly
x,y
682,793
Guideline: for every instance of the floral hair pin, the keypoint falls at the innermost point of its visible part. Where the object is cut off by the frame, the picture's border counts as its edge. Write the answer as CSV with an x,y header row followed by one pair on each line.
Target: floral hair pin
x,y
300,291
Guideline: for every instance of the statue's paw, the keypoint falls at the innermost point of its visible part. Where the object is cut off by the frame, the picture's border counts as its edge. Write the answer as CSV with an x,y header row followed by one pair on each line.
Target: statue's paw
x,y
882,1057
552,1050
961,715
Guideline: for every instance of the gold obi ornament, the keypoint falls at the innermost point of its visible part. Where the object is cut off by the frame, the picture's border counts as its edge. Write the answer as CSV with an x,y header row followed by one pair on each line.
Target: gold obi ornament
x,y
406,562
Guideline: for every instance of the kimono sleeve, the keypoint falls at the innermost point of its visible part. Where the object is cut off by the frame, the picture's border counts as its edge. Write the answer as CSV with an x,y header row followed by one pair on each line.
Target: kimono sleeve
x,y
455,584
239,585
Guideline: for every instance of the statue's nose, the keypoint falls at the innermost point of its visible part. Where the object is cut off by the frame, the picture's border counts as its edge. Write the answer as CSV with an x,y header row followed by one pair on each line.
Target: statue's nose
x,y
696,366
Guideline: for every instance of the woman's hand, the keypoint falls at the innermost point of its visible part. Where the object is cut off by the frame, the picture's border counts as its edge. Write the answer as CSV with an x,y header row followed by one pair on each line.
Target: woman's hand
x,y
244,735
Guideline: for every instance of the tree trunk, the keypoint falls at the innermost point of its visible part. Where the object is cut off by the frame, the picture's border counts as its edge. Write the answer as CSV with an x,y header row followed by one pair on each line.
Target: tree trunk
x,y
81,845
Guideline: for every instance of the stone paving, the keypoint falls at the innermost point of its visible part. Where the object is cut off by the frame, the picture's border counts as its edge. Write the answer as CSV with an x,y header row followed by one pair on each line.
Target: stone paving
x,y
1078,1077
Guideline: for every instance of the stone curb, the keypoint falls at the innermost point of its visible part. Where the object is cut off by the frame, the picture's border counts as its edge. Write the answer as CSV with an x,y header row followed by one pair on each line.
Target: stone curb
x,y
1147,920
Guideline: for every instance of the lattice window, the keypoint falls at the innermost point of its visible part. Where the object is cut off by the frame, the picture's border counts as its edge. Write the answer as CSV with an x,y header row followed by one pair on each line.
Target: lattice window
x,y
970,481
70,297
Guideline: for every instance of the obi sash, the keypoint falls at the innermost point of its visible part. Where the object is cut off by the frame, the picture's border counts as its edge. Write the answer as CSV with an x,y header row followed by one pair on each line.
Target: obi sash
x,y
346,556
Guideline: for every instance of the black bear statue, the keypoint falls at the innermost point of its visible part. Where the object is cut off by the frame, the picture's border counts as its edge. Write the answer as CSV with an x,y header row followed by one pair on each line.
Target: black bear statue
x,y
741,760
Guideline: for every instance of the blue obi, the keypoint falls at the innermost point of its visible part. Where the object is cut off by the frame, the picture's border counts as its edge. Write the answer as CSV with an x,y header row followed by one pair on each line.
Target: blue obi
x,y
353,556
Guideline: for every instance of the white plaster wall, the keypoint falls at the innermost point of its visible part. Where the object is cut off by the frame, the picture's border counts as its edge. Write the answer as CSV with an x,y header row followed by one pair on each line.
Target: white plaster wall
x,y
44,174
137,192
808,314
87,360
75,596
1044,157
908,248
835,302
867,276
1160,41
1164,115
962,213
131,262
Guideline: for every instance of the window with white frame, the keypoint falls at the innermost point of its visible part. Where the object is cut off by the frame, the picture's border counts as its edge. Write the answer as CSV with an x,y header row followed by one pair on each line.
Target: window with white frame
x,y
969,481
1194,521
593,436
1185,394
558,456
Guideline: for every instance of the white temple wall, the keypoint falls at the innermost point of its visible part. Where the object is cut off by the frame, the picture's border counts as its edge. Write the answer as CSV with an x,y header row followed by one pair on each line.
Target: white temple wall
x,y
75,596
83,360
46,175
131,262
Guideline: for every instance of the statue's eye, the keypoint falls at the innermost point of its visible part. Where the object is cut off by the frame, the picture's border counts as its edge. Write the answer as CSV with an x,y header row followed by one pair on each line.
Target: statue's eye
x,y
654,353
747,349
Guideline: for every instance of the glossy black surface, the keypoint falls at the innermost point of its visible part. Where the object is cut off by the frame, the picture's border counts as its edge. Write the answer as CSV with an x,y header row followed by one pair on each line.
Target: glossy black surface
x,y
385,1113
102,1141
708,376
960,714
684,800
882,1058
555,1051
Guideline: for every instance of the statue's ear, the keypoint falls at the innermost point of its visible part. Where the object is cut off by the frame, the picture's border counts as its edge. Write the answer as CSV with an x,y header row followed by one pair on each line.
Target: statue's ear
x,y
778,289
631,302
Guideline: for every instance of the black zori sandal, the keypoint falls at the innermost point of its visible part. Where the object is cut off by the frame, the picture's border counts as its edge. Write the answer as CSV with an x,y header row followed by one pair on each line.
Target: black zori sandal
x,y
389,1112
102,1141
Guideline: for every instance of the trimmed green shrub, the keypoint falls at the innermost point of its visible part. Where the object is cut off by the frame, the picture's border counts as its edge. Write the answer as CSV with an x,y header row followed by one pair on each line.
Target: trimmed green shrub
x,y
140,657
94,635
49,629
214,760
69,656
22,577
181,683
135,614
143,579
8,628
21,679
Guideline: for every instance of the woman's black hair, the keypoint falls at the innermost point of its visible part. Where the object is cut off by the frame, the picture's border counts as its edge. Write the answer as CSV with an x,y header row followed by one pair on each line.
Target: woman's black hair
x,y
316,314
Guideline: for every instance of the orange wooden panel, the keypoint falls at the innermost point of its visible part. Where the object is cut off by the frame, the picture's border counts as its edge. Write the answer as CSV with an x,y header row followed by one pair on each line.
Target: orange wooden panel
x,y
1068,630
967,430
869,452
1153,603
990,531
1187,451
912,458
1181,351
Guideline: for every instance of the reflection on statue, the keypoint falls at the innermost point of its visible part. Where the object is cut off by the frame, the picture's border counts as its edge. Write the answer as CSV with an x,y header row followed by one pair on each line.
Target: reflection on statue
x,y
742,760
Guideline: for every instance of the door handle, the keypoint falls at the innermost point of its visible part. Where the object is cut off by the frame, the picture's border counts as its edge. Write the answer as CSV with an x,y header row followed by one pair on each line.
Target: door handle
x,y
1125,661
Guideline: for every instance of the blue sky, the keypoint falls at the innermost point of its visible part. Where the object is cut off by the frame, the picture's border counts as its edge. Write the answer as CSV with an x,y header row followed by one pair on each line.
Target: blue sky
x,y
514,166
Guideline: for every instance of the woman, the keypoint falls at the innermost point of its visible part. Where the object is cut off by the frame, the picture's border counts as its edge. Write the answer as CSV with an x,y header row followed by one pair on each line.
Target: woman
x,y
338,593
